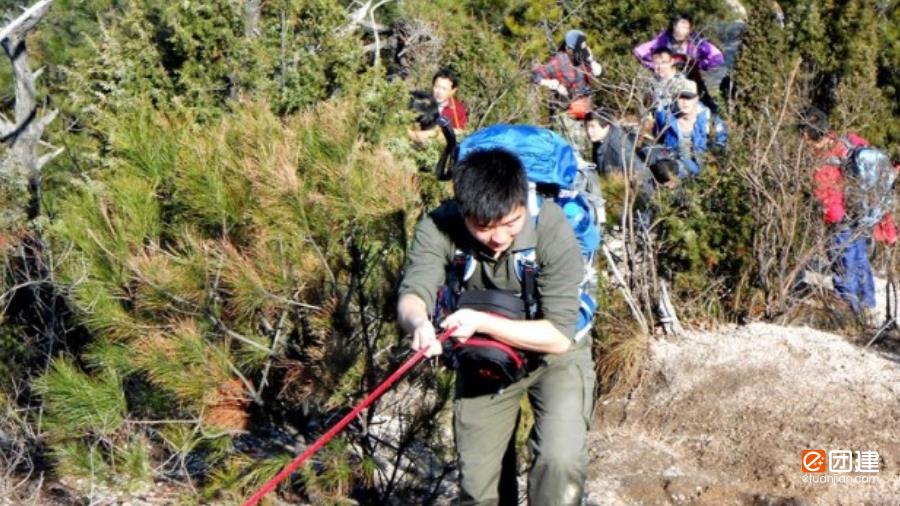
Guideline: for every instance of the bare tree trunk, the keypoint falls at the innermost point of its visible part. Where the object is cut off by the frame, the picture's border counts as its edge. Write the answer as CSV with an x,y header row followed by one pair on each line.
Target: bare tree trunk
x,y
23,134
38,307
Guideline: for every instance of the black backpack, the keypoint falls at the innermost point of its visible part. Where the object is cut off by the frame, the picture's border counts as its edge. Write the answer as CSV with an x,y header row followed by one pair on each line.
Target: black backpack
x,y
483,359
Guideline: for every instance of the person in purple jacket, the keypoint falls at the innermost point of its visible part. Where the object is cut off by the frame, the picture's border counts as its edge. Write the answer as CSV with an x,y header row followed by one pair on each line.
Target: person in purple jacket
x,y
686,45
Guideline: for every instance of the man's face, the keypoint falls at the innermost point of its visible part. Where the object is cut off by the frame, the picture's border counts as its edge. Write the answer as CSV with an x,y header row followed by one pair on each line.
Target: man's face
x,y
681,30
442,89
596,131
672,183
499,235
687,105
819,144
664,65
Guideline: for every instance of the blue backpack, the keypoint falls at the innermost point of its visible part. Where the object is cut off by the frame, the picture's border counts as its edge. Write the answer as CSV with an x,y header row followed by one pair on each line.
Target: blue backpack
x,y
553,172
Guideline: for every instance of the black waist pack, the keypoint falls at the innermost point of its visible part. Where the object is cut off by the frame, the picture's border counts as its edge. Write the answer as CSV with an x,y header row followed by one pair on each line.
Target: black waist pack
x,y
482,358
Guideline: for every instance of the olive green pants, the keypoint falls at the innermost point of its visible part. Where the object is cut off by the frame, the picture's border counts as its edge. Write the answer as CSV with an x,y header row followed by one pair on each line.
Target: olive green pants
x,y
562,396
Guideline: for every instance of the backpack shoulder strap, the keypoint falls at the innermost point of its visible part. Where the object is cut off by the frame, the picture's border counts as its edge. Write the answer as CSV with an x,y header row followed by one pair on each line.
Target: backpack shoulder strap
x,y
462,267
526,260
535,202
527,272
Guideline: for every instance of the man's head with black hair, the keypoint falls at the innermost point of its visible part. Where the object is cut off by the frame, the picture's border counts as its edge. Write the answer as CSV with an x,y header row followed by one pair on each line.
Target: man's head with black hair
x,y
448,74
664,64
601,114
665,172
813,124
680,26
426,109
491,189
662,50
444,85
597,123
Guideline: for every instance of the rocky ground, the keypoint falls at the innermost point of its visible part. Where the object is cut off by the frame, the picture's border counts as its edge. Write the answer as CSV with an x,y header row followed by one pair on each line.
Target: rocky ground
x,y
722,418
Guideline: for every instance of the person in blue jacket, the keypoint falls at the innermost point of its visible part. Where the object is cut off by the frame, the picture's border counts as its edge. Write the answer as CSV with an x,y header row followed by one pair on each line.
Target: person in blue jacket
x,y
688,129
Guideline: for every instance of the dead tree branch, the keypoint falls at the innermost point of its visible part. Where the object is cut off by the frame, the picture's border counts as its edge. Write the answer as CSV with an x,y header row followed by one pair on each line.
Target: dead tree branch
x,y
23,134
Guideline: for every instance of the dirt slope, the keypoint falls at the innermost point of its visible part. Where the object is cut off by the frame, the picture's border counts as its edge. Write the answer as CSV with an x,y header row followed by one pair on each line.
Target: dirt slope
x,y
721,418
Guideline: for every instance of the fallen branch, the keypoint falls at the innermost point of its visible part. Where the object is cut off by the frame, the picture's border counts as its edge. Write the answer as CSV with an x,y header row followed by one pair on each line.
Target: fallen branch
x,y
629,299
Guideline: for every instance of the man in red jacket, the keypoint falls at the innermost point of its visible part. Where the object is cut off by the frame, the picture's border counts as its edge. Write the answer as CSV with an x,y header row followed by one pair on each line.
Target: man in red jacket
x,y
444,85
848,251
443,89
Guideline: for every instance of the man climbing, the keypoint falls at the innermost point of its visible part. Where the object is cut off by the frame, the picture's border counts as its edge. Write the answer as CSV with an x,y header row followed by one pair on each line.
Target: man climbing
x,y
570,73
689,129
851,227
444,85
489,219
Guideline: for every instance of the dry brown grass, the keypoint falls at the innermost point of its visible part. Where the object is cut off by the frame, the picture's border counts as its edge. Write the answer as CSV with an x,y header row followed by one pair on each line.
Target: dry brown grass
x,y
227,409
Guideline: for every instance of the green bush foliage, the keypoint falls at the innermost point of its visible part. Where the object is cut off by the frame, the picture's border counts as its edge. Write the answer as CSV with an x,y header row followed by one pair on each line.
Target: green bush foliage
x,y
198,250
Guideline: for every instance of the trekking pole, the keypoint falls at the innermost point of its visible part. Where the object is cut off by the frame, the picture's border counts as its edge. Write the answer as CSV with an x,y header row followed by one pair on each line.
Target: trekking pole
x,y
333,431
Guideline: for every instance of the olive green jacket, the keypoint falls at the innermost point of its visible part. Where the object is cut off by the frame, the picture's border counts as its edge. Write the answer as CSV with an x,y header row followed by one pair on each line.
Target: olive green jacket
x,y
442,232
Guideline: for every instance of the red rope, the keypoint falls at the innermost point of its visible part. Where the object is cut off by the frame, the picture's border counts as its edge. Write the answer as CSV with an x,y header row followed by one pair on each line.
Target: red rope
x,y
333,431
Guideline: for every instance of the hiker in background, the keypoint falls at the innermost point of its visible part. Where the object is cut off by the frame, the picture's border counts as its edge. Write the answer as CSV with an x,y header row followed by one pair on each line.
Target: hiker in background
x,y
570,73
854,214
665,173
661,174
490,219
613,148
689,129
663,89
692,53
688,46
666,77
444,85
614,153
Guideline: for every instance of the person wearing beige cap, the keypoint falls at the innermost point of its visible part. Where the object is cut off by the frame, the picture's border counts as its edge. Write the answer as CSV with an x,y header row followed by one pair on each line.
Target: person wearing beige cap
x,y
689,129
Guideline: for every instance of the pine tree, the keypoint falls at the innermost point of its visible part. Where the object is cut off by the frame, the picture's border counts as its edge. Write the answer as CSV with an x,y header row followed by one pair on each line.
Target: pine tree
x,y
200,260
861,105
763,65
